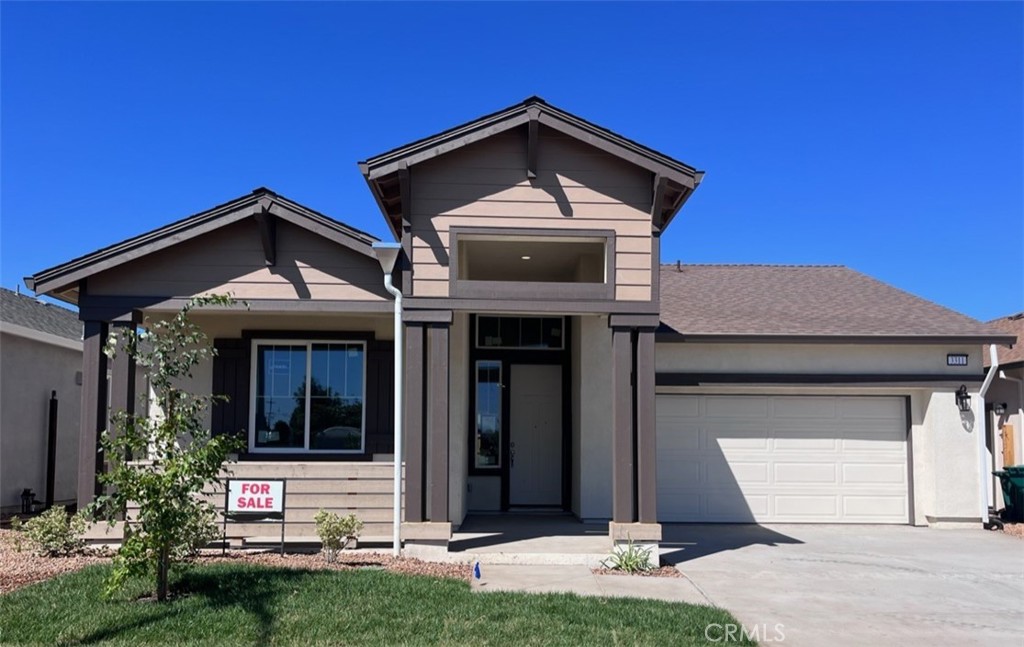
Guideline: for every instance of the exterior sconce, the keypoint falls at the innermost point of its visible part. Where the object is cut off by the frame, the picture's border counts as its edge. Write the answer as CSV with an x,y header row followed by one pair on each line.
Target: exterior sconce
x,y
963,399
999,408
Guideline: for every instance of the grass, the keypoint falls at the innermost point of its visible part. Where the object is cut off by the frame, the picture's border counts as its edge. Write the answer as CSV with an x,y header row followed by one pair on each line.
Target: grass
x,y
228,604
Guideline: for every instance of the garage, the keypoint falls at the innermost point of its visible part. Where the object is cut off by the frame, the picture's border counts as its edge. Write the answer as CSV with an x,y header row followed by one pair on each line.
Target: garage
x,y
782,458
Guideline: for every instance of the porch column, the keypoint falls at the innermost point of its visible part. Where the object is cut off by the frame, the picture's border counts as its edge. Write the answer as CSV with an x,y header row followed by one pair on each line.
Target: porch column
x,y
414,509
622,426
437,422
646,432
94,410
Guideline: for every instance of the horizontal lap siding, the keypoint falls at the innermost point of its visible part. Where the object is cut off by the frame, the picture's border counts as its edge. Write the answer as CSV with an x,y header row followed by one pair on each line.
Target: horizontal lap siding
x,y
231,259
485,185
362,489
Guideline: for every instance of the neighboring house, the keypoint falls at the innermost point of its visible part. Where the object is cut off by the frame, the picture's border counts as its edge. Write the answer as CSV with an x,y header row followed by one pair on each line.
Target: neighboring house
x,y
40,355
1005,398
551,360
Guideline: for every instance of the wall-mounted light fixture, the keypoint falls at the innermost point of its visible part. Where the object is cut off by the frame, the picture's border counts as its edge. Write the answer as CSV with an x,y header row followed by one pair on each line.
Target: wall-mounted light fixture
x,y
963,399
999,408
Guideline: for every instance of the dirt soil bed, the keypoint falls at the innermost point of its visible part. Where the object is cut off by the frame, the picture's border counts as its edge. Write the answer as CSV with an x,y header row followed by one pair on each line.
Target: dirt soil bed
x,y
662,571
18,569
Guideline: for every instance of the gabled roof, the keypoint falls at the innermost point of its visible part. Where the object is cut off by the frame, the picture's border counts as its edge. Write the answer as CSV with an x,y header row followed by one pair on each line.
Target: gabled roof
x,y
383,172
1012,325
29,312
804,303
62,280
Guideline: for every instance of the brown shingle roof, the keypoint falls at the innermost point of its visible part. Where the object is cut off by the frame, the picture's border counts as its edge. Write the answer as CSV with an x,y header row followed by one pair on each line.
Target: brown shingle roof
x,y
26,311
1013,325
759,301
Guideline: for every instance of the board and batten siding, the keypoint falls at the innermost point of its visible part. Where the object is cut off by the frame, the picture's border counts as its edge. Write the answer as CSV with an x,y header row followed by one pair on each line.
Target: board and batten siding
x,y
231,260
577,187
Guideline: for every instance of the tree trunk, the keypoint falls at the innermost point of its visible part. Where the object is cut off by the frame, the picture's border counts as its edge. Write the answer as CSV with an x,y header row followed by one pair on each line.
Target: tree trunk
x,y
161,574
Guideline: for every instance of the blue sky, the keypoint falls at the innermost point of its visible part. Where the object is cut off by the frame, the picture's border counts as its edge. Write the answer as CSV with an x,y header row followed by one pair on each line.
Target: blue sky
x,y
887,137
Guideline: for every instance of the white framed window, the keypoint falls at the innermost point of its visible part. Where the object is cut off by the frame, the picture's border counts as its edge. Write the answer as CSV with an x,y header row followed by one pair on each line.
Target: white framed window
x,y
307,396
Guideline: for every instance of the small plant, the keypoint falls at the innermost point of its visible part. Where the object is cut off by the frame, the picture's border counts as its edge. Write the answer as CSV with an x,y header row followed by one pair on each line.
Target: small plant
x,y
55,533
17,527
631,558
197,532
336,532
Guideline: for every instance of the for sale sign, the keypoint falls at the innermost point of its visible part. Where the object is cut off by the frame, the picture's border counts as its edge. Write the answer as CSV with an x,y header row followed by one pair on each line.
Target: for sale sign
x,y
256,498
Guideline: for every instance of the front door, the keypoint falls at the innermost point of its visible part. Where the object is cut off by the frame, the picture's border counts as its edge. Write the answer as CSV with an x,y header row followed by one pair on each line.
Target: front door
x,y
535,435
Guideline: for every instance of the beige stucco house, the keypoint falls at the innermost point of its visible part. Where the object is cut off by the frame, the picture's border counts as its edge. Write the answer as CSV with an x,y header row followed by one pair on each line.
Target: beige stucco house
x,y
40,369
552,362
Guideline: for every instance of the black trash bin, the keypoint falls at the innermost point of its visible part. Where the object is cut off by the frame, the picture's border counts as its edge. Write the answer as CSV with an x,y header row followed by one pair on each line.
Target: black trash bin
x,y
1012,481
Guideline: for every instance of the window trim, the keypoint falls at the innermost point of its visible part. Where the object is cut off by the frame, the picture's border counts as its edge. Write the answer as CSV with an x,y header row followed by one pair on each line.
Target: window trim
x,y
530,290
255,343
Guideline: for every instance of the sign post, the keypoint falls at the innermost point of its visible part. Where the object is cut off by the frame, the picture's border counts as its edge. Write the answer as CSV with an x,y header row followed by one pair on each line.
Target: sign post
x,y
255,501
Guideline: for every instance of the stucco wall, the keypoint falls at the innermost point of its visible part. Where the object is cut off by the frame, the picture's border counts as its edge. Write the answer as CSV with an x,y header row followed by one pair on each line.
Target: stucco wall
x,y
458,433
815,358
595,444
1011,393
29,371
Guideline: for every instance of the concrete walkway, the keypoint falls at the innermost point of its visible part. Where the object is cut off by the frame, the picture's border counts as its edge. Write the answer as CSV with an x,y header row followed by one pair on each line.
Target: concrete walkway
x,y
579,579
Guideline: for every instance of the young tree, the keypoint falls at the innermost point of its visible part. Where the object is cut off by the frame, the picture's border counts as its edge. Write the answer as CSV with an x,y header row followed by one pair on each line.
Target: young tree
x,y
161,463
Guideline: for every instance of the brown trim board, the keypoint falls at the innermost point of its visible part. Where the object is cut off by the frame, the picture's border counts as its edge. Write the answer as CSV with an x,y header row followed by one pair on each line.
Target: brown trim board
x,y
810,379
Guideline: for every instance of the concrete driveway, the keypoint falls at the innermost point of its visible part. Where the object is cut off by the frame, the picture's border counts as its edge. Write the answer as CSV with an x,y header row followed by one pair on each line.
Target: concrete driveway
x,y
858,585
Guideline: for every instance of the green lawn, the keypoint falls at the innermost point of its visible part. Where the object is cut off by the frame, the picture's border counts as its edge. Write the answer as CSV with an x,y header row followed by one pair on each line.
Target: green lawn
x,y
228,604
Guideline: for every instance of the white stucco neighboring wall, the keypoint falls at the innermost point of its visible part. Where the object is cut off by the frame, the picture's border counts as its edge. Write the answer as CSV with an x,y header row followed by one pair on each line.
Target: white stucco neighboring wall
x,y
30,370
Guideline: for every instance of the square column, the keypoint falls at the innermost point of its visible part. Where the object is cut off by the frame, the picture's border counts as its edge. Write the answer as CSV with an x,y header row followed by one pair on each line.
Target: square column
x,y
414,459
622,426
94,410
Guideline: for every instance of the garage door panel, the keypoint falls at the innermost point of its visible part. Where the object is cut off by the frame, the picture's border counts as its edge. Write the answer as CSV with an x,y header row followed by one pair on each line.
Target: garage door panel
x,y
808,507
875,508
737,437
678,437
736,472
809,440
783,458
806,473
874,473
729,407
796,407
872,408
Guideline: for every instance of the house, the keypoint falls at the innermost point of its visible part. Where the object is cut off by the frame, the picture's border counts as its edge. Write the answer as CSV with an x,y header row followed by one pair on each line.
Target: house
x,y
1005,410
40,369
552,361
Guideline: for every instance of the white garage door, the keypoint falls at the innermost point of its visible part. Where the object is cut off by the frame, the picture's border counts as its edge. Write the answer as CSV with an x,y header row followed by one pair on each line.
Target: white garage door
x,y
729,458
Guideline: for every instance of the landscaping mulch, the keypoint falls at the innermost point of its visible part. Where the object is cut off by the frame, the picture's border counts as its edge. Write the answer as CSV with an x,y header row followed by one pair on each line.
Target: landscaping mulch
x,y
661,571
1014,530
18,569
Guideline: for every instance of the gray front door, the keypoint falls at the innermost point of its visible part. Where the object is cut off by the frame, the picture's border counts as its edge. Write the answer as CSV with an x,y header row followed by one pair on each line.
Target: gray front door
x,y
535,435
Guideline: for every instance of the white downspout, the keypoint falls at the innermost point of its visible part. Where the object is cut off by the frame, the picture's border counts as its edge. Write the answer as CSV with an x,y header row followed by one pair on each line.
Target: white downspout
x,y
981,422
399,364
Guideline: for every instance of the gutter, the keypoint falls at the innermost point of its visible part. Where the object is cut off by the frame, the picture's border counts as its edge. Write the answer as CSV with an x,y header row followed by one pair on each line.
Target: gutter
x,y
981,425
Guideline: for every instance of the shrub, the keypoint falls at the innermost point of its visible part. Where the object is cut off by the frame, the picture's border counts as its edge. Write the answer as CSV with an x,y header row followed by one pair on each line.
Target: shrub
x,y
336,533
55,533
197,532
631,558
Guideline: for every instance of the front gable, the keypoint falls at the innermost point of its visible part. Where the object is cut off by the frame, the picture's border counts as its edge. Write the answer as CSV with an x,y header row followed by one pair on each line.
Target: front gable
x,y
561,209
261,246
